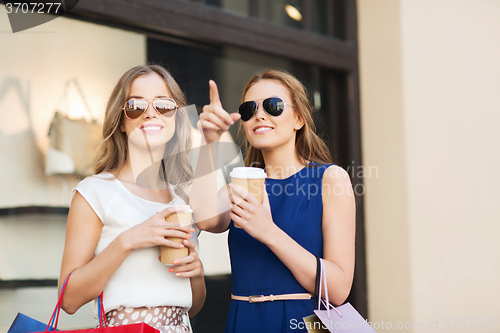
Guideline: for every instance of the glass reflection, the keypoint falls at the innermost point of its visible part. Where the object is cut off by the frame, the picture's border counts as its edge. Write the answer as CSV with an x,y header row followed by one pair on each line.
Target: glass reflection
x,y
283,12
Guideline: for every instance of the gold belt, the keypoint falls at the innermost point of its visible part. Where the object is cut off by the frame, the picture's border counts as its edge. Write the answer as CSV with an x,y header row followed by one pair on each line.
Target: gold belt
x,y
262,298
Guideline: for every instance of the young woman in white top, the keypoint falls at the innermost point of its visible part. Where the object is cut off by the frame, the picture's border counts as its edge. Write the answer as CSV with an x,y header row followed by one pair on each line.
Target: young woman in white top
x,y
116,221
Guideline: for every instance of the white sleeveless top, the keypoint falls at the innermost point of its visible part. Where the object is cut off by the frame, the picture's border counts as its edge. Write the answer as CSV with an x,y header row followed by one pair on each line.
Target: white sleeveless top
x,y
141,280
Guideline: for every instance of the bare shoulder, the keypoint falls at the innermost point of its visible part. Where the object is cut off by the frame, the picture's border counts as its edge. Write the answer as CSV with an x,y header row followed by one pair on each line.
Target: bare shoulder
x,y
83,224
337,187
336,175
339,205
79,203
81,212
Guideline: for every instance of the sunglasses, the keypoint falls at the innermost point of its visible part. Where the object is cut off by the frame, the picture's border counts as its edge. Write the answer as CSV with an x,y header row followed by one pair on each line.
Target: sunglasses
x,y
273,106
135,107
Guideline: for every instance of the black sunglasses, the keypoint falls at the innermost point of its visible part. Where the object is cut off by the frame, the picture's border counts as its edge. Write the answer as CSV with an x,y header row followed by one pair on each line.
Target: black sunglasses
x,y
135,107
273,106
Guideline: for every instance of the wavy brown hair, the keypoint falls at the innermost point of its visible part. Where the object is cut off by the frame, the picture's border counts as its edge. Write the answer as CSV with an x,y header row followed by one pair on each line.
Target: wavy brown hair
x,y
308,145
113,150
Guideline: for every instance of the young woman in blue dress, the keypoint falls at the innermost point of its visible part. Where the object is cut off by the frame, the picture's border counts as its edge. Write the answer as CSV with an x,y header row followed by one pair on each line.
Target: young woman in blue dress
x,y
308,209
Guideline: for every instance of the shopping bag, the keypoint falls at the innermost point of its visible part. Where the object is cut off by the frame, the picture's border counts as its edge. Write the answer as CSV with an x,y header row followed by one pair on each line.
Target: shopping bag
x,y
132,328
313,323
343,318
73,142
25,324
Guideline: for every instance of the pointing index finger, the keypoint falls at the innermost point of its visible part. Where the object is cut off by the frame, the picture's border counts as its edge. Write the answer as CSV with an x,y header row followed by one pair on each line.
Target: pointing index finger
x,y
214,93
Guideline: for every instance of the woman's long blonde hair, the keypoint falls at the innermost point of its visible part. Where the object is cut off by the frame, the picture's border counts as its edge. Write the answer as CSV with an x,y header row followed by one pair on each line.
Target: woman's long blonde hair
x,y
112,152
308,145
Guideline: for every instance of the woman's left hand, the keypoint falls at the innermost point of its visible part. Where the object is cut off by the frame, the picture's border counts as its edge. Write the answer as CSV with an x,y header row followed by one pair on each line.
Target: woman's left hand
x,y
189,266
255,218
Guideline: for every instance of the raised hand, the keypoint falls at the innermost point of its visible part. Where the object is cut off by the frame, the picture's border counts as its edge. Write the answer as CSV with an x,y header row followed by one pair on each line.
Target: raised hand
x,y
214,120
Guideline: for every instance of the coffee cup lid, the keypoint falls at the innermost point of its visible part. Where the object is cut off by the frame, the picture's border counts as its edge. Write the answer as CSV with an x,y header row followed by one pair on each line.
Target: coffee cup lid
x,y
248,173
188,209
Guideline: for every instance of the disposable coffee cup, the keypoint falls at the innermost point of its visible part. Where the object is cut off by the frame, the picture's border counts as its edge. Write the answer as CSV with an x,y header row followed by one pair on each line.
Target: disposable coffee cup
x,y
169,254
184,218
251,179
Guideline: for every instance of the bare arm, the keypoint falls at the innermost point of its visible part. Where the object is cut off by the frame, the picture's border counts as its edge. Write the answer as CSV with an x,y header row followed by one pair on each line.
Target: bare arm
x,y
211,207
199,294
192,267
338,235
90,274
218,223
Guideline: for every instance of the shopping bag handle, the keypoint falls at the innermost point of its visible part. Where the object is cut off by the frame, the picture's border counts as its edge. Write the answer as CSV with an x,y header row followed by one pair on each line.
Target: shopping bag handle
x,y
57,310
322,280
316,283
100,308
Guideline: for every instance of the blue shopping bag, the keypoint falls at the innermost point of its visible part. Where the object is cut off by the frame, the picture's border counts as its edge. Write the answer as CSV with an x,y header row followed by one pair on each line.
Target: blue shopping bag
x,y
25,324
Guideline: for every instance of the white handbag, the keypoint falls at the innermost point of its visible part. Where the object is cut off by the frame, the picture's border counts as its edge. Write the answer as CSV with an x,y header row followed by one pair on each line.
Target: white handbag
x,y
73,142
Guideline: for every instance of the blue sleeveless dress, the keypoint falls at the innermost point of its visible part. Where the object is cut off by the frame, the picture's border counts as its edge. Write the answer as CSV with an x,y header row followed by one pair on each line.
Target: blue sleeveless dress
x,y
297,208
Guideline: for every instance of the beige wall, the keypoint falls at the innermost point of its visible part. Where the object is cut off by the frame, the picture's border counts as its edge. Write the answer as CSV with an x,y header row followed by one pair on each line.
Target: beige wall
x,y
430,81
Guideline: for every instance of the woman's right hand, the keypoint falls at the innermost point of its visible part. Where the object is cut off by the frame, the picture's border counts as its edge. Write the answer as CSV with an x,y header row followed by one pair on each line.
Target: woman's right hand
x,y
153,231
214,120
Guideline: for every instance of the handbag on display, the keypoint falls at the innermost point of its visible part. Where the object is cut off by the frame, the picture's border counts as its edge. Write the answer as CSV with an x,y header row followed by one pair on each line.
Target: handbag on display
x,y
25,324
342,318
72,141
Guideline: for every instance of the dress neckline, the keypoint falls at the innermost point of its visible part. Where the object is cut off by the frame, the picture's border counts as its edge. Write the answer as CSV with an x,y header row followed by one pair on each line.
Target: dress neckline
x,y
115,179
294,174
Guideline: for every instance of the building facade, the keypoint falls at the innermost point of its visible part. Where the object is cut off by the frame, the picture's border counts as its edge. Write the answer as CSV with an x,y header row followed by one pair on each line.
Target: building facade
x,y
404,92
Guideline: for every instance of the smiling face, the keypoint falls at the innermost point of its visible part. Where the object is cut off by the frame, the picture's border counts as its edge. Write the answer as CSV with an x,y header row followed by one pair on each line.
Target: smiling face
x,y
264,131
156,128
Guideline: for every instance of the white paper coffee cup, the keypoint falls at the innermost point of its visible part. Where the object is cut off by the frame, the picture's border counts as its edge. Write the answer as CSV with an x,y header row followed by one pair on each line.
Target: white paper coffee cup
x,y
251,179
